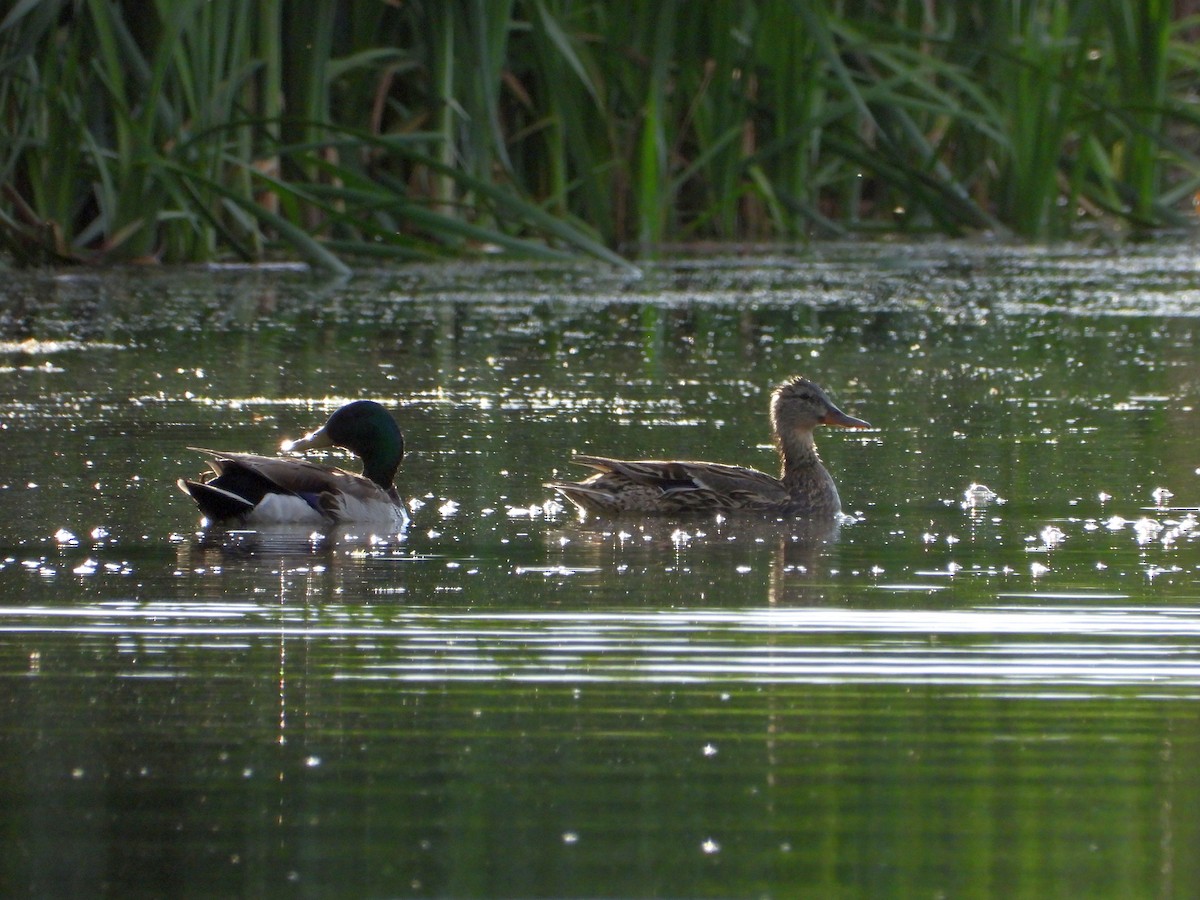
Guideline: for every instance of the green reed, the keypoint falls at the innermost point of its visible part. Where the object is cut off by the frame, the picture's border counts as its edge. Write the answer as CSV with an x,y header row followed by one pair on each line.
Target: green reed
x,y
187,130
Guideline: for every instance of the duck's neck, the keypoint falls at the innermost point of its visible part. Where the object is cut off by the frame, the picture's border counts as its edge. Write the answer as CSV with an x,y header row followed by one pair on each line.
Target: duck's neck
x,y
382,460
798,455
805,478
382,475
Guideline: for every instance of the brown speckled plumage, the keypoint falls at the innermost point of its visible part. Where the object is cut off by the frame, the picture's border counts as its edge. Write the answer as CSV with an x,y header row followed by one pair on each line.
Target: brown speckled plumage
x,y
803,489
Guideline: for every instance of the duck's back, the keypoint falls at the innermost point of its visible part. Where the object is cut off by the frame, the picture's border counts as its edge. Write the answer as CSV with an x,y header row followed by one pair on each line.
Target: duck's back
x,y
675,487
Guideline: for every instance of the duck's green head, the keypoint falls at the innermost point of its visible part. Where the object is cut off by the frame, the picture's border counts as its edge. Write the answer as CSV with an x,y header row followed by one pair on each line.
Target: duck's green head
x,y
368,431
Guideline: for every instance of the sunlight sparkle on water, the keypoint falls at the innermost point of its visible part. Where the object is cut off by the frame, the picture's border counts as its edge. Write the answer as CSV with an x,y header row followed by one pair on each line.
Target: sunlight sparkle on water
x,y
734,657
1052,536
979,495
1146,530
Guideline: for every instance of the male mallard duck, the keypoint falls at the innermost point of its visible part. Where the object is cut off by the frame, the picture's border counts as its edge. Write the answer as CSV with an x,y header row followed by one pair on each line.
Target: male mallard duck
x,y
804,488
245,489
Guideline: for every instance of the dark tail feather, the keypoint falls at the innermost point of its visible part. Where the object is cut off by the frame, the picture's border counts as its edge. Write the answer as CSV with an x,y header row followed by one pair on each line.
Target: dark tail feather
x,y
215,503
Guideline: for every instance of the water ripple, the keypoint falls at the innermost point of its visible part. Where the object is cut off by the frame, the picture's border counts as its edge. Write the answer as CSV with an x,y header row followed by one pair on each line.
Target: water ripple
x,y
1046,646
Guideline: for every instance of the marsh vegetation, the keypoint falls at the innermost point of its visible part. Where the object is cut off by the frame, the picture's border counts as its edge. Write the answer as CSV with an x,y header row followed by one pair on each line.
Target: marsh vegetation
x,y
331,131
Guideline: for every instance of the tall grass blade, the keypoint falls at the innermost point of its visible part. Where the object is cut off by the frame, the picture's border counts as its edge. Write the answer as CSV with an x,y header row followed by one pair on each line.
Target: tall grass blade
x,y
184,129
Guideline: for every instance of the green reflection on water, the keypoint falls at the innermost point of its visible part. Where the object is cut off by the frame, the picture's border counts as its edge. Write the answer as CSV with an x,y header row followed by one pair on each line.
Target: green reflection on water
x,y
503,701
214,783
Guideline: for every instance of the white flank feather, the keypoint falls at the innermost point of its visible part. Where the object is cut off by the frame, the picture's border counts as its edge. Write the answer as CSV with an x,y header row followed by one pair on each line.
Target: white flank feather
x,y
284,509
382,511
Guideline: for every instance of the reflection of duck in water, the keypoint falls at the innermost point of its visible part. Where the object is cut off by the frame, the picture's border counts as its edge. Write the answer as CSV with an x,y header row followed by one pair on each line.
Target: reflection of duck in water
x,y
803,489
245,489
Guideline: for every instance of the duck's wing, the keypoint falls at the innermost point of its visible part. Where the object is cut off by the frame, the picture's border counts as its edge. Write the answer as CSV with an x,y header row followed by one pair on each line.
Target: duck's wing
x,y
672,486
297,476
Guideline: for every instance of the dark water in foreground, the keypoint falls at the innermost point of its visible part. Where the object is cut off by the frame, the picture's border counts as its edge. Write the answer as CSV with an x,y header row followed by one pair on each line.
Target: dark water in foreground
x,y
954,696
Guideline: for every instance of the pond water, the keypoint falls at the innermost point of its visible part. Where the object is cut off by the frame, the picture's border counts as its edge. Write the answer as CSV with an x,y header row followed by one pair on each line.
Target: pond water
x,y
957,694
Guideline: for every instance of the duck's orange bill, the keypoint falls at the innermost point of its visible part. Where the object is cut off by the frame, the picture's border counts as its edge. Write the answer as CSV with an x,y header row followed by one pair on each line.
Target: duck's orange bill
x,y
840,419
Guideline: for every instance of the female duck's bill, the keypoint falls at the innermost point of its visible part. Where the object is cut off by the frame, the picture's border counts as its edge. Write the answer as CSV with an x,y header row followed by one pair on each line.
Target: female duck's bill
x,y
804,487
245,489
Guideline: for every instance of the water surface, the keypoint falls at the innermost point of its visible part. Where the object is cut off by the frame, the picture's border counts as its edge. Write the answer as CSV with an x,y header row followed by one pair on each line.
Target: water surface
x,y
961,692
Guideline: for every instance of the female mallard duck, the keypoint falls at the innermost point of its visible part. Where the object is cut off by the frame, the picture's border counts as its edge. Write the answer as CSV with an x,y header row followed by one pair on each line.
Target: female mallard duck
x,y
803,489
245,489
